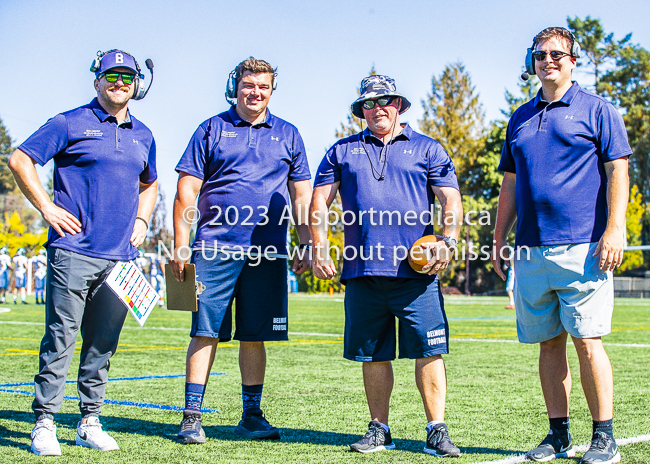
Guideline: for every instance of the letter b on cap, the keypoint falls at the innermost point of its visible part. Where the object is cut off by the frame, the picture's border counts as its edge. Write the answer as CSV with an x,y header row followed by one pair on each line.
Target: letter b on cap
x,y
119,58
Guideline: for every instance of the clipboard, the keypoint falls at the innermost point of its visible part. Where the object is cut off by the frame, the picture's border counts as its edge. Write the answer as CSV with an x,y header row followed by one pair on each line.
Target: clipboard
x,y
133,289
183,296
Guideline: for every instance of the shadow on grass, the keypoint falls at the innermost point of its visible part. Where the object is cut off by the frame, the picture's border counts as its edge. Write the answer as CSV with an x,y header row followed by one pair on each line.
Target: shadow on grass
x,y
212,432
7,436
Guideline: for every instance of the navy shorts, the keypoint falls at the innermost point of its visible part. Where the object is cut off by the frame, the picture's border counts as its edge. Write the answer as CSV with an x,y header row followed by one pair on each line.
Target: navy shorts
x,y
257,285
373,303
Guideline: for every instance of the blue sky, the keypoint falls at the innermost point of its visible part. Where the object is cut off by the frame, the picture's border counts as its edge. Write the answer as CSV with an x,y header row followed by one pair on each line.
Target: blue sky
x,y
322,51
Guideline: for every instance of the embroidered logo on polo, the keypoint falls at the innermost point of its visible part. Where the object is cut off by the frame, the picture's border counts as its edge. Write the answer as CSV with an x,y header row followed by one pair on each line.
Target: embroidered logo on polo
x,y
93,133
358,151
231,134
136,142
277,139
410,152
568,117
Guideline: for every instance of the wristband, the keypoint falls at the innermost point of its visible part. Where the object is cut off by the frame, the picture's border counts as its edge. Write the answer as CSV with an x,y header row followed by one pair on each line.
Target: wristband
x,y
142,219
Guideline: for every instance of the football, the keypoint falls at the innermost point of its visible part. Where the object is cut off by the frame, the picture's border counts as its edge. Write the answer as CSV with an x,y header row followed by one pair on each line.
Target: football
x,y
419,256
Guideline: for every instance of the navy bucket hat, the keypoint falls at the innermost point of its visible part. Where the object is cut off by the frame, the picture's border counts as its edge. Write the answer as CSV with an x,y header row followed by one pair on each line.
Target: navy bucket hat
x,y
376,87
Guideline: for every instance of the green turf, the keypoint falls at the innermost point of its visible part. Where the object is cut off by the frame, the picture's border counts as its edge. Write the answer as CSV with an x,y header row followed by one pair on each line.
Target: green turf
x,y
494,406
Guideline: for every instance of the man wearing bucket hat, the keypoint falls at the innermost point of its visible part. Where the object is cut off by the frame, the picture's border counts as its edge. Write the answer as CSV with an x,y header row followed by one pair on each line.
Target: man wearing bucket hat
x,y
104,192
390,169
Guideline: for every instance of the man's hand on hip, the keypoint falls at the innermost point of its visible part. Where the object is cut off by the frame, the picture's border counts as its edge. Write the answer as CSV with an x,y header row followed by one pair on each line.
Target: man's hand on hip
x,y
60,219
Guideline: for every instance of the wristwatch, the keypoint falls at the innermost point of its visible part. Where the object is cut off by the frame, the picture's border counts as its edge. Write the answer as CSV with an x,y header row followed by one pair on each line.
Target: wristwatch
x,y
451,242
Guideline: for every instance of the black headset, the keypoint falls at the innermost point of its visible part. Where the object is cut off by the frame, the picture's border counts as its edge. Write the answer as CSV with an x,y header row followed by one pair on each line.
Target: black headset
x,y
530,61
141,89
231,86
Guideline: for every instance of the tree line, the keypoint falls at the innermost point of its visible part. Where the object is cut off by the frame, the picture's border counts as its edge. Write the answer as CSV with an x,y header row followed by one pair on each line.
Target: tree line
x,y
454,116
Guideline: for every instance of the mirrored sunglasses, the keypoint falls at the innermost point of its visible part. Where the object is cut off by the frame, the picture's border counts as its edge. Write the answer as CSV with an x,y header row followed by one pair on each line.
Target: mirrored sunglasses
x,y
556,55
384,101
127,78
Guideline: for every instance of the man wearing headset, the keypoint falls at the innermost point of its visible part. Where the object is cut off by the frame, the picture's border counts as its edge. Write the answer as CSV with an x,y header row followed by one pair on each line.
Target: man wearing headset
x,y
244,165
565,160
104,192
389,168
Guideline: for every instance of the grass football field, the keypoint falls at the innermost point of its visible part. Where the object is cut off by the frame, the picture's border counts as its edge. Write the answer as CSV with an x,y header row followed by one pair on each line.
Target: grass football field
x,y
495,408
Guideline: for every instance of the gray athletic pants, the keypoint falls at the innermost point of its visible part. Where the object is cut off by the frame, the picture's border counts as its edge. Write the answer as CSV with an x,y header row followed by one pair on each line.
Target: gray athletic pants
x,y
77,299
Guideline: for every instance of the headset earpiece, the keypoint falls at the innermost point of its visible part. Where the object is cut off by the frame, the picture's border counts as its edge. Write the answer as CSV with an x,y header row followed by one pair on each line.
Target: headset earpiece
x,y
94,67
140,89
575,48
231,87
530,62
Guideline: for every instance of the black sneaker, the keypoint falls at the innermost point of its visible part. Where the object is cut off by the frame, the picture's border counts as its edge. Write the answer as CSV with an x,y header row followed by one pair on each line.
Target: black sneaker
x,y
603,450
191,430
375,439
255,426
439,444
555,445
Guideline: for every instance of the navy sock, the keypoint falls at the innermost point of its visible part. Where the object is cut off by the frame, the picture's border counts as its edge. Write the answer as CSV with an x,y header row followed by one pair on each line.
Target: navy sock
x,y
604,426
251,396
561,424
193,397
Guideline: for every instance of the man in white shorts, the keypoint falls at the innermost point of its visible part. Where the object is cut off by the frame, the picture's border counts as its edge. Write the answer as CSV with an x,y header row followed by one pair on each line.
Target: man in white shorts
x,y
565,160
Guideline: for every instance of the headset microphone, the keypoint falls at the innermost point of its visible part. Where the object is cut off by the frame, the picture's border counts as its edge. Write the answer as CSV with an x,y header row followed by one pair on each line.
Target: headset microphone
x,y
149,64
525,76
140,91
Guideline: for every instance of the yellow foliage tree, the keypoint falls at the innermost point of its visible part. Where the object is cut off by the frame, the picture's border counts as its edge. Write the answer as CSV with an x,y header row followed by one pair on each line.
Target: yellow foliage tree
x,y
634,224
13,235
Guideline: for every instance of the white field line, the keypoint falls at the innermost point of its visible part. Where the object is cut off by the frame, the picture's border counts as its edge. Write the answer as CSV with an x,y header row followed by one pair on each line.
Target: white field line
x,y
5,310
315,334
580,449
22,323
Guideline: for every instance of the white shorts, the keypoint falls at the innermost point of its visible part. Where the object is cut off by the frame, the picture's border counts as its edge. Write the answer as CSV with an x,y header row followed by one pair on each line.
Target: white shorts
x,y
560,288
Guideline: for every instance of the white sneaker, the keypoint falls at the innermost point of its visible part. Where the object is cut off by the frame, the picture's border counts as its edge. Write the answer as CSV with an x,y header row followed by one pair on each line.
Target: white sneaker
x,y
44,442
91,435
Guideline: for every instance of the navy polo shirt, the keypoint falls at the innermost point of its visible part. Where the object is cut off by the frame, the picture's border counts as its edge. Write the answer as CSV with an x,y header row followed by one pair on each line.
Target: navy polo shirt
x,y
558,151
244,199
380,216
98,167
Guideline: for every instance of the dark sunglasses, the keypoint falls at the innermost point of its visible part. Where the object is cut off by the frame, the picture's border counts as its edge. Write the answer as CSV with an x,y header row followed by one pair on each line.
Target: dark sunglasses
x,y
127,78
384,101
556,55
